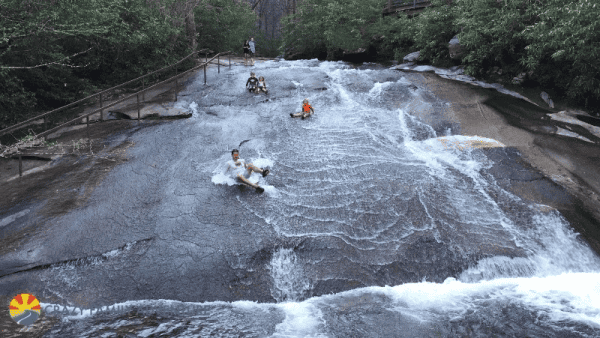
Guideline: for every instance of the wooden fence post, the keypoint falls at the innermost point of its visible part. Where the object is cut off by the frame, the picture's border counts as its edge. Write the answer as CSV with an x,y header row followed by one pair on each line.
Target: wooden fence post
x,y
138,106
205,73
176,87
87,128
229,59
20,166
218,63
45,127
101,111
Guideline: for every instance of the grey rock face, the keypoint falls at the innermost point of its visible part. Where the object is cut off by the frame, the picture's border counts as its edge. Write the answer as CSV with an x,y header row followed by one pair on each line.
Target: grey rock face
x,y
455,48
547,99
519,79
412,57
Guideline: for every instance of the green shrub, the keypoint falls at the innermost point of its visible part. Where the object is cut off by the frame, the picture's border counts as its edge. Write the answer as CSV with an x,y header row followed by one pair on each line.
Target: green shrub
x,y
56,52
433,29
557,40
333,25
265,46
398,36
564,46
491,34
224,25
15,101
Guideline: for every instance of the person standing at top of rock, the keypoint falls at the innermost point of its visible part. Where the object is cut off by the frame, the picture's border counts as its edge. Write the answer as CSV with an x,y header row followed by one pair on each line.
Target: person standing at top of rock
x,y
252,50
246,51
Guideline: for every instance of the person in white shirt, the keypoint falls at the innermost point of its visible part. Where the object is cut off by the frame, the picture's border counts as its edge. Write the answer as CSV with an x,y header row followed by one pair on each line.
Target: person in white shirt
x,y
252,50
242,171
262,85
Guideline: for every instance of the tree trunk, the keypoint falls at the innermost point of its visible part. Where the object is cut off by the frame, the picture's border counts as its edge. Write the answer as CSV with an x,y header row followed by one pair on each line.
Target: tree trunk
x,y
190,29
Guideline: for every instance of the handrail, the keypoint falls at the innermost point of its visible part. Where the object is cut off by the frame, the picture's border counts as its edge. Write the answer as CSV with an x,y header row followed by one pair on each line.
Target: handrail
x,y
130,96
29,121
394,6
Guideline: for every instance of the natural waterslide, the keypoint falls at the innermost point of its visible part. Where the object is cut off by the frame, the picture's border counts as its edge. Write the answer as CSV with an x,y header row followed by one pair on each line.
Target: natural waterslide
x,y
379,219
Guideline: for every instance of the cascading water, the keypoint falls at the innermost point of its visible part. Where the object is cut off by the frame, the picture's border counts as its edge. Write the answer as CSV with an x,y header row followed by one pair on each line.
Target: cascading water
x,y
402,230
289,283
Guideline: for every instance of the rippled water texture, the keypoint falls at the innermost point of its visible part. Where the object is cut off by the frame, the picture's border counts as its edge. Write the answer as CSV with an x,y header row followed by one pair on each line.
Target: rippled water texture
x,y
397,228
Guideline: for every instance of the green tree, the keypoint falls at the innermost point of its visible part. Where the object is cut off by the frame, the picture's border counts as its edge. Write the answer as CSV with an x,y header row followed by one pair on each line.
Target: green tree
x,y
397,35
334,24
491,33
433,28
56,51
557,40
224,24
564,46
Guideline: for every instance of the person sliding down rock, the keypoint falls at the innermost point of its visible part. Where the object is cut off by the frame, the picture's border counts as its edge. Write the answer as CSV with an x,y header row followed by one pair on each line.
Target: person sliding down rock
x,y
242,171
307,110
262,85
252,83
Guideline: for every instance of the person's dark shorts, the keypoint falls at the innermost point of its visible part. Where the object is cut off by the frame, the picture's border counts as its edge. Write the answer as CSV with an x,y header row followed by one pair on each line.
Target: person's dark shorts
x,y
247,51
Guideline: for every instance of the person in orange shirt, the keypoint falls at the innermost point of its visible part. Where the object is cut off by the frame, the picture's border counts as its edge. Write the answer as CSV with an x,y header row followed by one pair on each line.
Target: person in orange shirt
x,y
307,110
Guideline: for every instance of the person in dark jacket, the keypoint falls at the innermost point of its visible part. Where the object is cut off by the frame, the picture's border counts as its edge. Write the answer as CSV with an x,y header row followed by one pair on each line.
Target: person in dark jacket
x,y
252,83
246,51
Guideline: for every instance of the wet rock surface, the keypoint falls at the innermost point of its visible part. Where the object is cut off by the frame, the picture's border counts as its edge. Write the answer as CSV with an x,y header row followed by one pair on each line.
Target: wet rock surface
x,y
148,222
570,163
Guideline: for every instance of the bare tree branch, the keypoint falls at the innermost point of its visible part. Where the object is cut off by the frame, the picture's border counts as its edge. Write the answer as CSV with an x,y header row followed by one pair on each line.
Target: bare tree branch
x,y
54,63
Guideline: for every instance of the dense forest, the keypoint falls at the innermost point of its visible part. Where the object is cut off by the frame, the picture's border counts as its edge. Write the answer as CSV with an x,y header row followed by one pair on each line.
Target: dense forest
x,y
53,52
555,42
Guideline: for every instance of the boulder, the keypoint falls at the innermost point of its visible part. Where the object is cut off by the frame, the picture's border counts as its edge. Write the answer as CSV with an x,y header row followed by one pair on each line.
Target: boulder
x,y
519,78
412,57
547,99
455,48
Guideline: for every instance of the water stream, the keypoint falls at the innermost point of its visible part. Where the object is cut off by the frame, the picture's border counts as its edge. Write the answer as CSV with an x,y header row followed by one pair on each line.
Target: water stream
x,y
399,230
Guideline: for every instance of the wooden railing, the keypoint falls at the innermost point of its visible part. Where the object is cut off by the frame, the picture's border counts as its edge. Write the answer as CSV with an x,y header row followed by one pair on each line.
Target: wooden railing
x,y
99,96
410,6
100,110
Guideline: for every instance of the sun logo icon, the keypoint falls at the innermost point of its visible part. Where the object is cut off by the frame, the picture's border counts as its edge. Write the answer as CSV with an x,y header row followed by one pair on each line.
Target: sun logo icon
x,y
25,309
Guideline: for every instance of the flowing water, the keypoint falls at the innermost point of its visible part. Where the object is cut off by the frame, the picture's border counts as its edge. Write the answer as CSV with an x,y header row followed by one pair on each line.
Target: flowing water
x,y
397,227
